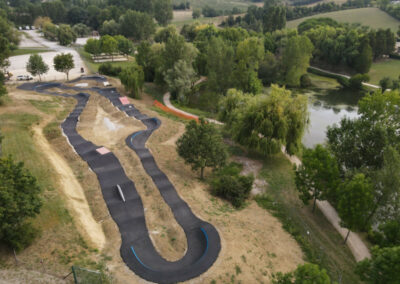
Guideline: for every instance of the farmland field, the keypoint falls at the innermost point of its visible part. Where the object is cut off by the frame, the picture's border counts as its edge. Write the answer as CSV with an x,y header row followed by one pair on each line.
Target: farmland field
x,y
218,4
372,17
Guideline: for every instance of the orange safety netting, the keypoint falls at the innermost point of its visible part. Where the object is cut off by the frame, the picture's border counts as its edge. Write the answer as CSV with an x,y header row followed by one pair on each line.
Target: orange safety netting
x,y
174,112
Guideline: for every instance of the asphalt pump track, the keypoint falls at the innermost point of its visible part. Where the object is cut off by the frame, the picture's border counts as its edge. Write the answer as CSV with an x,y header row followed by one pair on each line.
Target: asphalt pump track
x,y
137,249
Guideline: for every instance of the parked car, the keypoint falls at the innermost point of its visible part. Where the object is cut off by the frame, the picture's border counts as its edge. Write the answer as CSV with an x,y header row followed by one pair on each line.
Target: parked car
x,y
27,28
24,78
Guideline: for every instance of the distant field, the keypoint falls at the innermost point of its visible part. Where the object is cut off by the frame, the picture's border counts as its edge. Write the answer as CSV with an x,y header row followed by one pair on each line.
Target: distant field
x,y
385,68
372,17
218,4
185,17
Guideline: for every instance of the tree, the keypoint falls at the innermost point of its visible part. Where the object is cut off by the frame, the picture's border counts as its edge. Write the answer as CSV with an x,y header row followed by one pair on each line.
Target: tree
x,y
318,176
36,66
249,53
360,143
364,59
137,25
383,267
387,187
386,83
269,122
133,79
93,46
296,59
201,146
65,35
355,200
356,81
108,45
304,274
180,80
110,27
196,13
81,30
163,11
124,45
19,201
64,63
220,63
165,33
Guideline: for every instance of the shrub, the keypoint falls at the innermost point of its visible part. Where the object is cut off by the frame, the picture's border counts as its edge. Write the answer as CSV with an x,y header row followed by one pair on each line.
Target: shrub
x,y
109,70
305,81
227,183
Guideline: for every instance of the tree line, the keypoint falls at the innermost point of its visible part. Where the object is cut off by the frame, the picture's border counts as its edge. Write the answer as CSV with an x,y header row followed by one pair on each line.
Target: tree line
x,y
92,13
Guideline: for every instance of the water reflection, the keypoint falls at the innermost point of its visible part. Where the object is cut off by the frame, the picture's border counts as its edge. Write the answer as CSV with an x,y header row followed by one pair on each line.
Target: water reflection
x,y
327,107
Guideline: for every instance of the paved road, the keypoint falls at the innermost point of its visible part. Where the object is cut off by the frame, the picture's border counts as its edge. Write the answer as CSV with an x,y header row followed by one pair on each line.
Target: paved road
x,y
354,242
18,63
137,249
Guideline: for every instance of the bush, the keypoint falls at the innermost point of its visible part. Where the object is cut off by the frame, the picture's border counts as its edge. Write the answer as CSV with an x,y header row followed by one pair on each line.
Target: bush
x,y
356,81
227,183
109,70
388,234
305,81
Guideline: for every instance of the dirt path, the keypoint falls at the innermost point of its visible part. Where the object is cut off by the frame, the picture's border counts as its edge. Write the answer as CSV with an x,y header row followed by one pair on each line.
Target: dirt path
x,y
354,242
73,191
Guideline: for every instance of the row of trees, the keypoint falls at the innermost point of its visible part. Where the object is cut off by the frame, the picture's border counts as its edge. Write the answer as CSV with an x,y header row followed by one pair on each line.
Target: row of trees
x,y
346,45
109,45
62,63
91,13
230,57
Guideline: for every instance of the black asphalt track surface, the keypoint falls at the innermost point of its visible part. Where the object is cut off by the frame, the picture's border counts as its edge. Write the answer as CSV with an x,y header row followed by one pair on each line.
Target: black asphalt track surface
x,y
137,249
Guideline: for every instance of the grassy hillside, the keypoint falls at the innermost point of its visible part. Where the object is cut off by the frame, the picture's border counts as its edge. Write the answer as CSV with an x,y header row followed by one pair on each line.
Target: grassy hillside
x,y
372,17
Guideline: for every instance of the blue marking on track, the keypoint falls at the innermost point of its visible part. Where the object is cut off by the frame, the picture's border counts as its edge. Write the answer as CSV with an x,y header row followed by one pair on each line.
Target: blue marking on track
x,y
134,135
144,265
205,252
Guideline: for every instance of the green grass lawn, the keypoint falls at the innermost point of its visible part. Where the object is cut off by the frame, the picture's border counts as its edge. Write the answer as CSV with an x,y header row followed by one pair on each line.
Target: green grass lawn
x,y
384,68
22,51
319,240
372,17
94,67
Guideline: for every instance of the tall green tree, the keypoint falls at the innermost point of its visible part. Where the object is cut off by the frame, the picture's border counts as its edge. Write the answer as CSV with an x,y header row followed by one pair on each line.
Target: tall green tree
x,y
202,146
136,25
360,143
65,35
383,267
36,66
124,45
64,63
19,201
304,274
180,80
355,200
318,176
249,54
269,122
220,64
133,79
163,11
93,46
296,59
109,45
363,61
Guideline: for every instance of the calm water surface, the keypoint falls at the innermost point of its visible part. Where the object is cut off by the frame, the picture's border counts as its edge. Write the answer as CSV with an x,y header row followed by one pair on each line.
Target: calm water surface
x,y
327,107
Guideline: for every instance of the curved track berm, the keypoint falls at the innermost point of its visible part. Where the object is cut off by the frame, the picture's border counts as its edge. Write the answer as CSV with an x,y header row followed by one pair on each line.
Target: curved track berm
x,y
137,249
